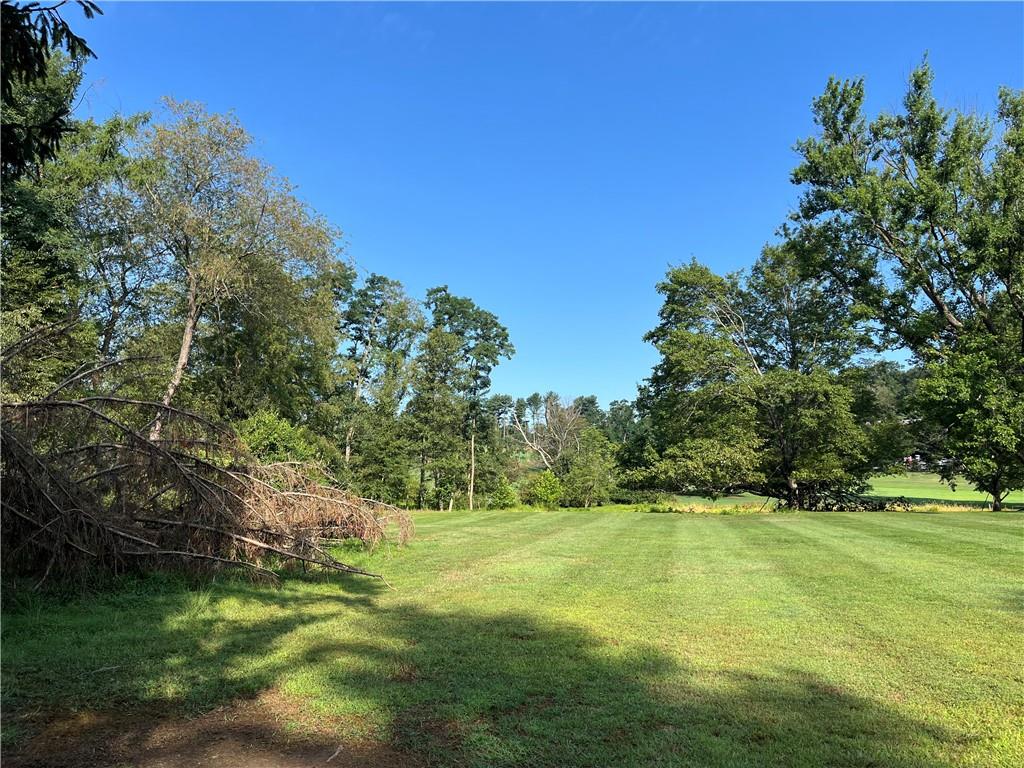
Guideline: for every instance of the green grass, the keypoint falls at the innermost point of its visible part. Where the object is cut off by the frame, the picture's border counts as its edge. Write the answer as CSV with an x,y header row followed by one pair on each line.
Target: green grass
x,y
925,488
593,639
920,488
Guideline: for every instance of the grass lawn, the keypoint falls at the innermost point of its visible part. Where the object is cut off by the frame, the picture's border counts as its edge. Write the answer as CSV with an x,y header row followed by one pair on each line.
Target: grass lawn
x,y
920,488
586,638
925,488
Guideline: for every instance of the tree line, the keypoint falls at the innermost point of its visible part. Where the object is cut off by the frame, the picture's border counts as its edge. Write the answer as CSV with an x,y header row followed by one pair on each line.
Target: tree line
x,y
156,259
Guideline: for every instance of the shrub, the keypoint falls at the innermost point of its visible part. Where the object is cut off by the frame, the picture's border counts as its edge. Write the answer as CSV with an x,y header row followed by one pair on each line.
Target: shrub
x,y
543,490
503,496
272,438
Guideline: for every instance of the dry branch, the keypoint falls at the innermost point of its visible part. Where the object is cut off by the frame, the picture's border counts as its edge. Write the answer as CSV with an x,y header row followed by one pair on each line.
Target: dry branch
x,y
84,488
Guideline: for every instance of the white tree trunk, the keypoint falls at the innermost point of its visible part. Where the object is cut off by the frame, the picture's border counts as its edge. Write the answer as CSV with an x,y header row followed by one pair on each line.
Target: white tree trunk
x,y
191,320
472,468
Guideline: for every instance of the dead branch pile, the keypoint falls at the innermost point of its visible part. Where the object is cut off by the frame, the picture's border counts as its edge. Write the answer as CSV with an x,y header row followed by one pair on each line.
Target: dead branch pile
x,y
84,488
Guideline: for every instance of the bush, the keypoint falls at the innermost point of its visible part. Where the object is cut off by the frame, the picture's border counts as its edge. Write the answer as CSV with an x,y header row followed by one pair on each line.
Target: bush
x,y
591,474
503,496
543,490
271,438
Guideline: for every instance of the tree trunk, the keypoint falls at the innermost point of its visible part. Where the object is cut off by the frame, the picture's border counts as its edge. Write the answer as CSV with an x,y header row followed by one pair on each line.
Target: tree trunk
x,y
109,329
348,442
420,495
191,320
472,468
996,489
792,496
350,433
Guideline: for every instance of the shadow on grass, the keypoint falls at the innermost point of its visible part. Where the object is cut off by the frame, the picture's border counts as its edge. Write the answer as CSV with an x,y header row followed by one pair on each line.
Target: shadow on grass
x,y
439,686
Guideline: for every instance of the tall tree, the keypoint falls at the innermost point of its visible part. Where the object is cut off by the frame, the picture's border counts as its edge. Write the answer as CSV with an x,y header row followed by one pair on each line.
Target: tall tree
x,y
223,222
34,34
380,327
746,396
463,345
41,258
919,218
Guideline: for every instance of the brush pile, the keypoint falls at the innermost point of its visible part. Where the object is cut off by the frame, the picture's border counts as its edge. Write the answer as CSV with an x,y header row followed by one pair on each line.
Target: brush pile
x,y
85,488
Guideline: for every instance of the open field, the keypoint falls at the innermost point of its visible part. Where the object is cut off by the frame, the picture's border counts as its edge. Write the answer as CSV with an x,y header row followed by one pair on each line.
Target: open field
x,y
558,639
919,488
925,488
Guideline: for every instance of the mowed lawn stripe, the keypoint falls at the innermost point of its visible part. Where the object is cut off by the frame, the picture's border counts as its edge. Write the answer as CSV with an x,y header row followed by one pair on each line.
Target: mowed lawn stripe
x,y
954,650
913,658
893,544
940,527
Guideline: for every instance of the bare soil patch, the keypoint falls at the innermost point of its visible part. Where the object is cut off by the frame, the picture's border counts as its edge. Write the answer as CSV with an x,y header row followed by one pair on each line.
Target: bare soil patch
x,y
271,731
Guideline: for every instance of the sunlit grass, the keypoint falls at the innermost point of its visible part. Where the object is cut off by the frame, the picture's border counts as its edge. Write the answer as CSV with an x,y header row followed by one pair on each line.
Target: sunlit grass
x,y
924,487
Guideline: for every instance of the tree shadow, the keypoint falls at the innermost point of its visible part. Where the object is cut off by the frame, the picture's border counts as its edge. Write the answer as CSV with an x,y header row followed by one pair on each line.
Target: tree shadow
x,y
410,685
511,690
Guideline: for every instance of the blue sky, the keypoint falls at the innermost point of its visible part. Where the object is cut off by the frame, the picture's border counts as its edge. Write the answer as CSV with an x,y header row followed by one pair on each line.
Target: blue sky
x,y
548,160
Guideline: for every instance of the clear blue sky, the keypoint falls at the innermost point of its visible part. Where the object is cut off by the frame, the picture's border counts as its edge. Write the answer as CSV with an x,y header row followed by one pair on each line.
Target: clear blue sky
x,y
548,160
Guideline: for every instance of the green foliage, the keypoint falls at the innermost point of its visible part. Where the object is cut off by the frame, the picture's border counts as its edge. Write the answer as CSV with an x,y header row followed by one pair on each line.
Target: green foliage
x,y
503,496
450,380
41,265
980,410
747,395
591,471
621,423
34,36
272,438
543,489
918,217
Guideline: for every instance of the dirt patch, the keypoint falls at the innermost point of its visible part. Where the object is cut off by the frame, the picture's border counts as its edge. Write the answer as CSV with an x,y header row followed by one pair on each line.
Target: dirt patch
x,y
269,732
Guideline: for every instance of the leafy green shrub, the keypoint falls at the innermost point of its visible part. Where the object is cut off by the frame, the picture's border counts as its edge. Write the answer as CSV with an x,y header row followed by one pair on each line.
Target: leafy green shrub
x,y
271,438
591,474
543,490
504,495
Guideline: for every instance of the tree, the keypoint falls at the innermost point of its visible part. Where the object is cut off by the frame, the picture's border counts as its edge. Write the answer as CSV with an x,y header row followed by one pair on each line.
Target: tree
x,y
226,227
34,35
883,393
981,414
461,348
918,217
553,430
380,327
590,410
621,422
40,268
746,395
41,259
591,471
544,489
119,269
